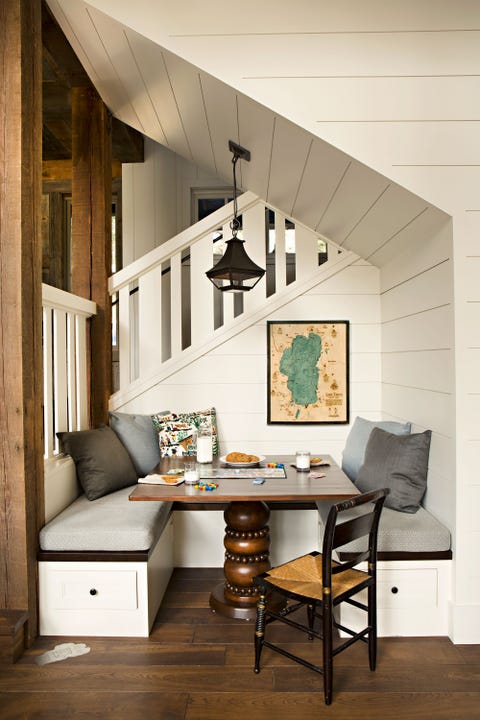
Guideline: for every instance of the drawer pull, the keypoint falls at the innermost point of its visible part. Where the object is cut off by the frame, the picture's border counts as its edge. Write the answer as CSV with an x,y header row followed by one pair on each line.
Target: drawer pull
x,y
394,590
93,591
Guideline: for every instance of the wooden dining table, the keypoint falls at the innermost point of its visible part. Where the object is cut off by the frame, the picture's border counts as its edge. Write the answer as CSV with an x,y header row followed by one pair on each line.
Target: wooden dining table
x,y
246,511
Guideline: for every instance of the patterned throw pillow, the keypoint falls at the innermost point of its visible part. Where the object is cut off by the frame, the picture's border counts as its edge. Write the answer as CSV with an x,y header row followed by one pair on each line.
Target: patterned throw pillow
x,y
177,432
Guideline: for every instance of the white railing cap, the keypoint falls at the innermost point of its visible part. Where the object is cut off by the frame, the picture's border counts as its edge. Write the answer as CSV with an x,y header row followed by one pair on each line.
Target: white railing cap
x,y
60,299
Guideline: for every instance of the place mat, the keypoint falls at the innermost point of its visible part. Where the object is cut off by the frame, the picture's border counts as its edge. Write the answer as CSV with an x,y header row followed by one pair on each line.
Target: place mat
x,y
249,473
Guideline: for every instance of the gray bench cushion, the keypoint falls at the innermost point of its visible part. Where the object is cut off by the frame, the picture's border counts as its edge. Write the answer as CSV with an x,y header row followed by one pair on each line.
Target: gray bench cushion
x,y
110,523
398,532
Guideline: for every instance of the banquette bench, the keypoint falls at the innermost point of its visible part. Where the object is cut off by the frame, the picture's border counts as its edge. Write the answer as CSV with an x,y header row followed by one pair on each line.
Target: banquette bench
x,y
104,566
104,563
414,547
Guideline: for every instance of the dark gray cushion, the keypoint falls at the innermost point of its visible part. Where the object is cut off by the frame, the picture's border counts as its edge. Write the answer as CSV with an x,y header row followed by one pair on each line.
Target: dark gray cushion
x,y
357,439
102,463
140,437
399,462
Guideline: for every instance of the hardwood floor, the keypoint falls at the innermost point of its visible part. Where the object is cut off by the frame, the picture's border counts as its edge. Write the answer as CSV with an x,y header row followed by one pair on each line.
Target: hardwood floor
x,y
197,665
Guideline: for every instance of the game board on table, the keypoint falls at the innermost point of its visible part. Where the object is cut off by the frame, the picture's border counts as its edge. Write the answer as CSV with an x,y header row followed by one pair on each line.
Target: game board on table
x,y
221,473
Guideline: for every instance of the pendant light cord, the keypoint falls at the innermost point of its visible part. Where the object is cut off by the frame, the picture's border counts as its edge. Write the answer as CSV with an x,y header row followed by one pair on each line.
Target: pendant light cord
x,y
235,224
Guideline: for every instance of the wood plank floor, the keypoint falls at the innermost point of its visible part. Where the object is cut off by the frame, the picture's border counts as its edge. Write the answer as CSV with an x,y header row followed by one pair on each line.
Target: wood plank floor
x,y
197,665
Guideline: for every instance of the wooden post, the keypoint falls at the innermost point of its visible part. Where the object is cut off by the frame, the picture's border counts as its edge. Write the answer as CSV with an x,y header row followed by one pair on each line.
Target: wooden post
x,y
21,445
92,234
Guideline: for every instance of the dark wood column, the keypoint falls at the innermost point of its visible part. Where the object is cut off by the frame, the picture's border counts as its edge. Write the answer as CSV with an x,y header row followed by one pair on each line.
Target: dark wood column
x,y
21,451
92,234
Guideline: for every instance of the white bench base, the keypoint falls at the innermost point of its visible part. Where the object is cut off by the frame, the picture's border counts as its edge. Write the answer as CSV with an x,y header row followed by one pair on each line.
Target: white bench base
x,y
126,599
412,599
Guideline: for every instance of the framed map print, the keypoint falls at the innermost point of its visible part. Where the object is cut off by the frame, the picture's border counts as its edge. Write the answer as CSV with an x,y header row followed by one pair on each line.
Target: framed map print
x,y
308,371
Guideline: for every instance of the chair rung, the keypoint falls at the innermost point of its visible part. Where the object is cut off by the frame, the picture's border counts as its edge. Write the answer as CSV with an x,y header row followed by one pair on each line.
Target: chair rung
x,y
350,641
357,604
274,616
293,657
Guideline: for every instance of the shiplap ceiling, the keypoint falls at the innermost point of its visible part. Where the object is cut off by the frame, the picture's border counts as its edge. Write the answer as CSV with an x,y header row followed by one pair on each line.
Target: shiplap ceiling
x,y
194,113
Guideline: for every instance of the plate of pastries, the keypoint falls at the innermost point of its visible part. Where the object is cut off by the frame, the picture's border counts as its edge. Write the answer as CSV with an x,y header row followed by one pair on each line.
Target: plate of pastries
x,y
242,459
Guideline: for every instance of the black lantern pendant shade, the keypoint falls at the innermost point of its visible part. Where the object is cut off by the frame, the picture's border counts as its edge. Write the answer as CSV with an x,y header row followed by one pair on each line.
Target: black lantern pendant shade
x,y
235,271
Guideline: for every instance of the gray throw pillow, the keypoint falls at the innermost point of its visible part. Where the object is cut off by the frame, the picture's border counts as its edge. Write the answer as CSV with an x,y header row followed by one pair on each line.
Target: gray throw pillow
x,y
399,462
102,463
139,435
357,439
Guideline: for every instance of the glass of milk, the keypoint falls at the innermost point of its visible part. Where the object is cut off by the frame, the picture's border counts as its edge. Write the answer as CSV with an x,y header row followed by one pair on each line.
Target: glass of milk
x,y
190,471
204,446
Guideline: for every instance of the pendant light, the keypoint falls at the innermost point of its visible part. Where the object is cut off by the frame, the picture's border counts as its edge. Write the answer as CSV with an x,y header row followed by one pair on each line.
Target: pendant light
x,y
235,271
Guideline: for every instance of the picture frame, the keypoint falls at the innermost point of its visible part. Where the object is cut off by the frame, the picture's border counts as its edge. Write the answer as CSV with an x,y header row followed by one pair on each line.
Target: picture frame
x,y
308,372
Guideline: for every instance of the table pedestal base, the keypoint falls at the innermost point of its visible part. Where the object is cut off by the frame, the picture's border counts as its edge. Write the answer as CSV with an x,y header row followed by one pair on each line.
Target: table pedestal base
x,y
247,554
225,607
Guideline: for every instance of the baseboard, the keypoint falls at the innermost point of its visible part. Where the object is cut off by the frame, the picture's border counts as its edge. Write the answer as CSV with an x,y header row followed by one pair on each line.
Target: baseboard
x,y
465,624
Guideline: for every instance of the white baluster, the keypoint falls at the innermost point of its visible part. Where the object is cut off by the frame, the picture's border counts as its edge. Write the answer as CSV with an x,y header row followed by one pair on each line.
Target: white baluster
x,y
176,303
201,295
150,322
48,423
280,254
71,372
81,366
228,296
60,418
124,336
306,252
254,234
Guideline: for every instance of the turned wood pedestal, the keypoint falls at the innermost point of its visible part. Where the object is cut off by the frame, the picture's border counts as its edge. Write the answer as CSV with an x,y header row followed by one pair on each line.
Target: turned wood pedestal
x,y
247,553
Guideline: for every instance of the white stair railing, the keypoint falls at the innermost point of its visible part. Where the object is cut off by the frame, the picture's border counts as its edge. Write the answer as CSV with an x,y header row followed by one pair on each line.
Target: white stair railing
x,y
168,311
65,383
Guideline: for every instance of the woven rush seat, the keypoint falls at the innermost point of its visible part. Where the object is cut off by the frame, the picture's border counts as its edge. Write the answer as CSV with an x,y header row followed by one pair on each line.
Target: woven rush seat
x,y
303,576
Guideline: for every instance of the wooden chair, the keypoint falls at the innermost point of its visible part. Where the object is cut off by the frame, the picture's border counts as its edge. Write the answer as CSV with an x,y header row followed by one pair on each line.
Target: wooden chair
x,y
321,583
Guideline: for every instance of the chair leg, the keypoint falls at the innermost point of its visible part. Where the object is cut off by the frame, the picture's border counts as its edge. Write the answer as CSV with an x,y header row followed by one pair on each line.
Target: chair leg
x,y
327,619
259,630
311,618
372,621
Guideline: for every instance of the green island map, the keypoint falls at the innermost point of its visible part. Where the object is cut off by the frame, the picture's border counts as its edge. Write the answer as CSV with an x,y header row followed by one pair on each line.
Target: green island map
x,y
308,374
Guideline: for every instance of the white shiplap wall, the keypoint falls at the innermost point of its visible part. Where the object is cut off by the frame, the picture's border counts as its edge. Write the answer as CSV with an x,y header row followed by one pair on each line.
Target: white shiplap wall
x,y
418,378
233,378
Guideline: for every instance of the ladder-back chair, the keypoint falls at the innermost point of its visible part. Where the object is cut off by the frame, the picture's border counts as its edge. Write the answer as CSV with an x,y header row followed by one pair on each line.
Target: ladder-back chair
x,y
320,583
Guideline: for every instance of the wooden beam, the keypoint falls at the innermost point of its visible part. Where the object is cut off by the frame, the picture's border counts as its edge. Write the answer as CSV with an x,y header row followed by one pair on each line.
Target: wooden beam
x,y
62,71
92,235
59,55
54,234
21,445
127,143
61,170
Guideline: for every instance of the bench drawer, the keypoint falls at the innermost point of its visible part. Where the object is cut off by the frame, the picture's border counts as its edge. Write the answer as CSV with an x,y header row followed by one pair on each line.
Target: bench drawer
x,y
407,588
412,599
94,590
